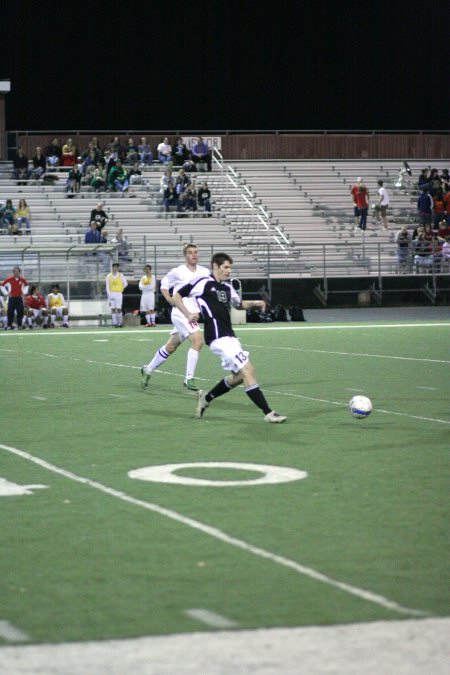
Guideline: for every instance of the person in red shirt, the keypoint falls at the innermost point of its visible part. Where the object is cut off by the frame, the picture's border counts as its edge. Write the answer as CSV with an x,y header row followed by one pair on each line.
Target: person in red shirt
x,y
35,307
362,202
14,286
353,191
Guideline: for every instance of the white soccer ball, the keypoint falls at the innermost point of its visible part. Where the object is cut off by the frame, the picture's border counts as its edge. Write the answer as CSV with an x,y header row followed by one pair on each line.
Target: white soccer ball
x,y
360,406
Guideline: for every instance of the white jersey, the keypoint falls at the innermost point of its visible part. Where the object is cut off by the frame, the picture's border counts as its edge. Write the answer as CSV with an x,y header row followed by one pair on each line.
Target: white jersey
x,y
147,284
179,277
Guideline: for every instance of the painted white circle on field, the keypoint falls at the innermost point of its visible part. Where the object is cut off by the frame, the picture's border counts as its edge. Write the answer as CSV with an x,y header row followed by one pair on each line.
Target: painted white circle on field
x,y
165,474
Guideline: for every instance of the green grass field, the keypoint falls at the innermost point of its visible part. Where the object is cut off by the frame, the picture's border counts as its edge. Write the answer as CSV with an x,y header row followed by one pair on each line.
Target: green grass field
x,y
96,554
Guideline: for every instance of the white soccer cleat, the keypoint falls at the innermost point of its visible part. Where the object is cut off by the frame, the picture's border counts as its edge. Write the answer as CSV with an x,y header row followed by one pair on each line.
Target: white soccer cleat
x,y
201,405
274,417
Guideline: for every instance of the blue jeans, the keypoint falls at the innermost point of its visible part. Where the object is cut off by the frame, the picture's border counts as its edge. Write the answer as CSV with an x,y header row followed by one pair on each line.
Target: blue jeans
x,y
363,218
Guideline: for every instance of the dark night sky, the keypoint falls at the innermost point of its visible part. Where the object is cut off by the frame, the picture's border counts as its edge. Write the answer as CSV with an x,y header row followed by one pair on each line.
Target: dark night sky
x,y
223,64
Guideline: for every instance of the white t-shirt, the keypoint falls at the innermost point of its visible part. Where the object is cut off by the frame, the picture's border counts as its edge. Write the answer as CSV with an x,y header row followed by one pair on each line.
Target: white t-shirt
x,y
384,194
179,277
165,149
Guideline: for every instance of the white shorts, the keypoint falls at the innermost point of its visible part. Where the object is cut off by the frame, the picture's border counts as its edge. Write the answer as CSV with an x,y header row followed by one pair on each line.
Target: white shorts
x,y
147,301
35,312
115,300
182,327
234,358
57,310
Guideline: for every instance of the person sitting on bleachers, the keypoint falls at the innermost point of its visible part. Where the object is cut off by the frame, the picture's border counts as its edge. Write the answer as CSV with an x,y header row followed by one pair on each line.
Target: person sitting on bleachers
x,y
116,148
8,219
200,153
20,163
204,198
69,153
53,153
131,152
90,163
122,246
118,178
182,181
23,214
438,207
445,255
39,164
73,182
423,247
145,152
135,175
98,216
96,157
443,230
92,236
188,199
98,179
166,180
170,198
180,152
165,151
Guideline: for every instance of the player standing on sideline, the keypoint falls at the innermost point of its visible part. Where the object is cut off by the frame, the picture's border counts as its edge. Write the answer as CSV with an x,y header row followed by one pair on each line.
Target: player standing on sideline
x,y
115,286
56,305
17,286
35,307
147,287
183,328
214,294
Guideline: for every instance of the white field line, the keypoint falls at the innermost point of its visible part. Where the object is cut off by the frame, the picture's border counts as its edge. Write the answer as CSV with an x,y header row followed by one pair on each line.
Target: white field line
x,y
360,593
11,633
265,327
211,618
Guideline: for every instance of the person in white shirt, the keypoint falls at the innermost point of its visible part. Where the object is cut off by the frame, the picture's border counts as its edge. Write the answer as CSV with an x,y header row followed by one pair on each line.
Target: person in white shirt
x,y
165,151
183,329
115,286
383,204
147,285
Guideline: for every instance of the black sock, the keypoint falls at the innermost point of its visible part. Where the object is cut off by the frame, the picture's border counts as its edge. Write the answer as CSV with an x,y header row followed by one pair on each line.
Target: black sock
x,y
258,398
220,389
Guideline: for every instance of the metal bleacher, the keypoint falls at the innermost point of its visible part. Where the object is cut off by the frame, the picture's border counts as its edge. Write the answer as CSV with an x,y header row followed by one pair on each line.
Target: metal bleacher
x,y
276,219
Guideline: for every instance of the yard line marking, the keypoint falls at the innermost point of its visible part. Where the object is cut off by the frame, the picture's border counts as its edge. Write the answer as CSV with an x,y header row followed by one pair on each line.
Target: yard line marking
x,y
211,618
428,388
118,395
11,633
328,351
39,398
214,532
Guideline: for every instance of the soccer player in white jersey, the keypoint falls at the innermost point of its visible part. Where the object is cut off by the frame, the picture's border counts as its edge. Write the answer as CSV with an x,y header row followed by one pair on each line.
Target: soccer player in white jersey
x,y
214,295
57,307
147,285
183,328
115,286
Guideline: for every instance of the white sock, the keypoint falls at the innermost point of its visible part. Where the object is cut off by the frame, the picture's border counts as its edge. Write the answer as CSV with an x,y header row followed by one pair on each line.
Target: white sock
x,y
159,358
119,318
148,318
153,318
191,365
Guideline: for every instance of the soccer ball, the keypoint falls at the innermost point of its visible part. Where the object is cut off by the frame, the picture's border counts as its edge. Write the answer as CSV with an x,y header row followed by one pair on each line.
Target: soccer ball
x,y
360,406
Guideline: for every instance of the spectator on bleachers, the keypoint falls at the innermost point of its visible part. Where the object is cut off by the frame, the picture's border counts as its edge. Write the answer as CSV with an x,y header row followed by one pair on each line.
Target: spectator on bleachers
x,y
423,247
424,206
165,151
182,181
403,241
383,204
99,216
443,230
73,182
447,206
204,198
180,152
445,254
92,236
23,214
96,156
35,308
445,180
200,153
98,182
116,148
122,246
39,164
20,164
170,198
424,181
353,191
131,153
69,153
8,217
438,207
166,180
118,178
362,202
90,163
188,199
135,175
145,152
53,153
